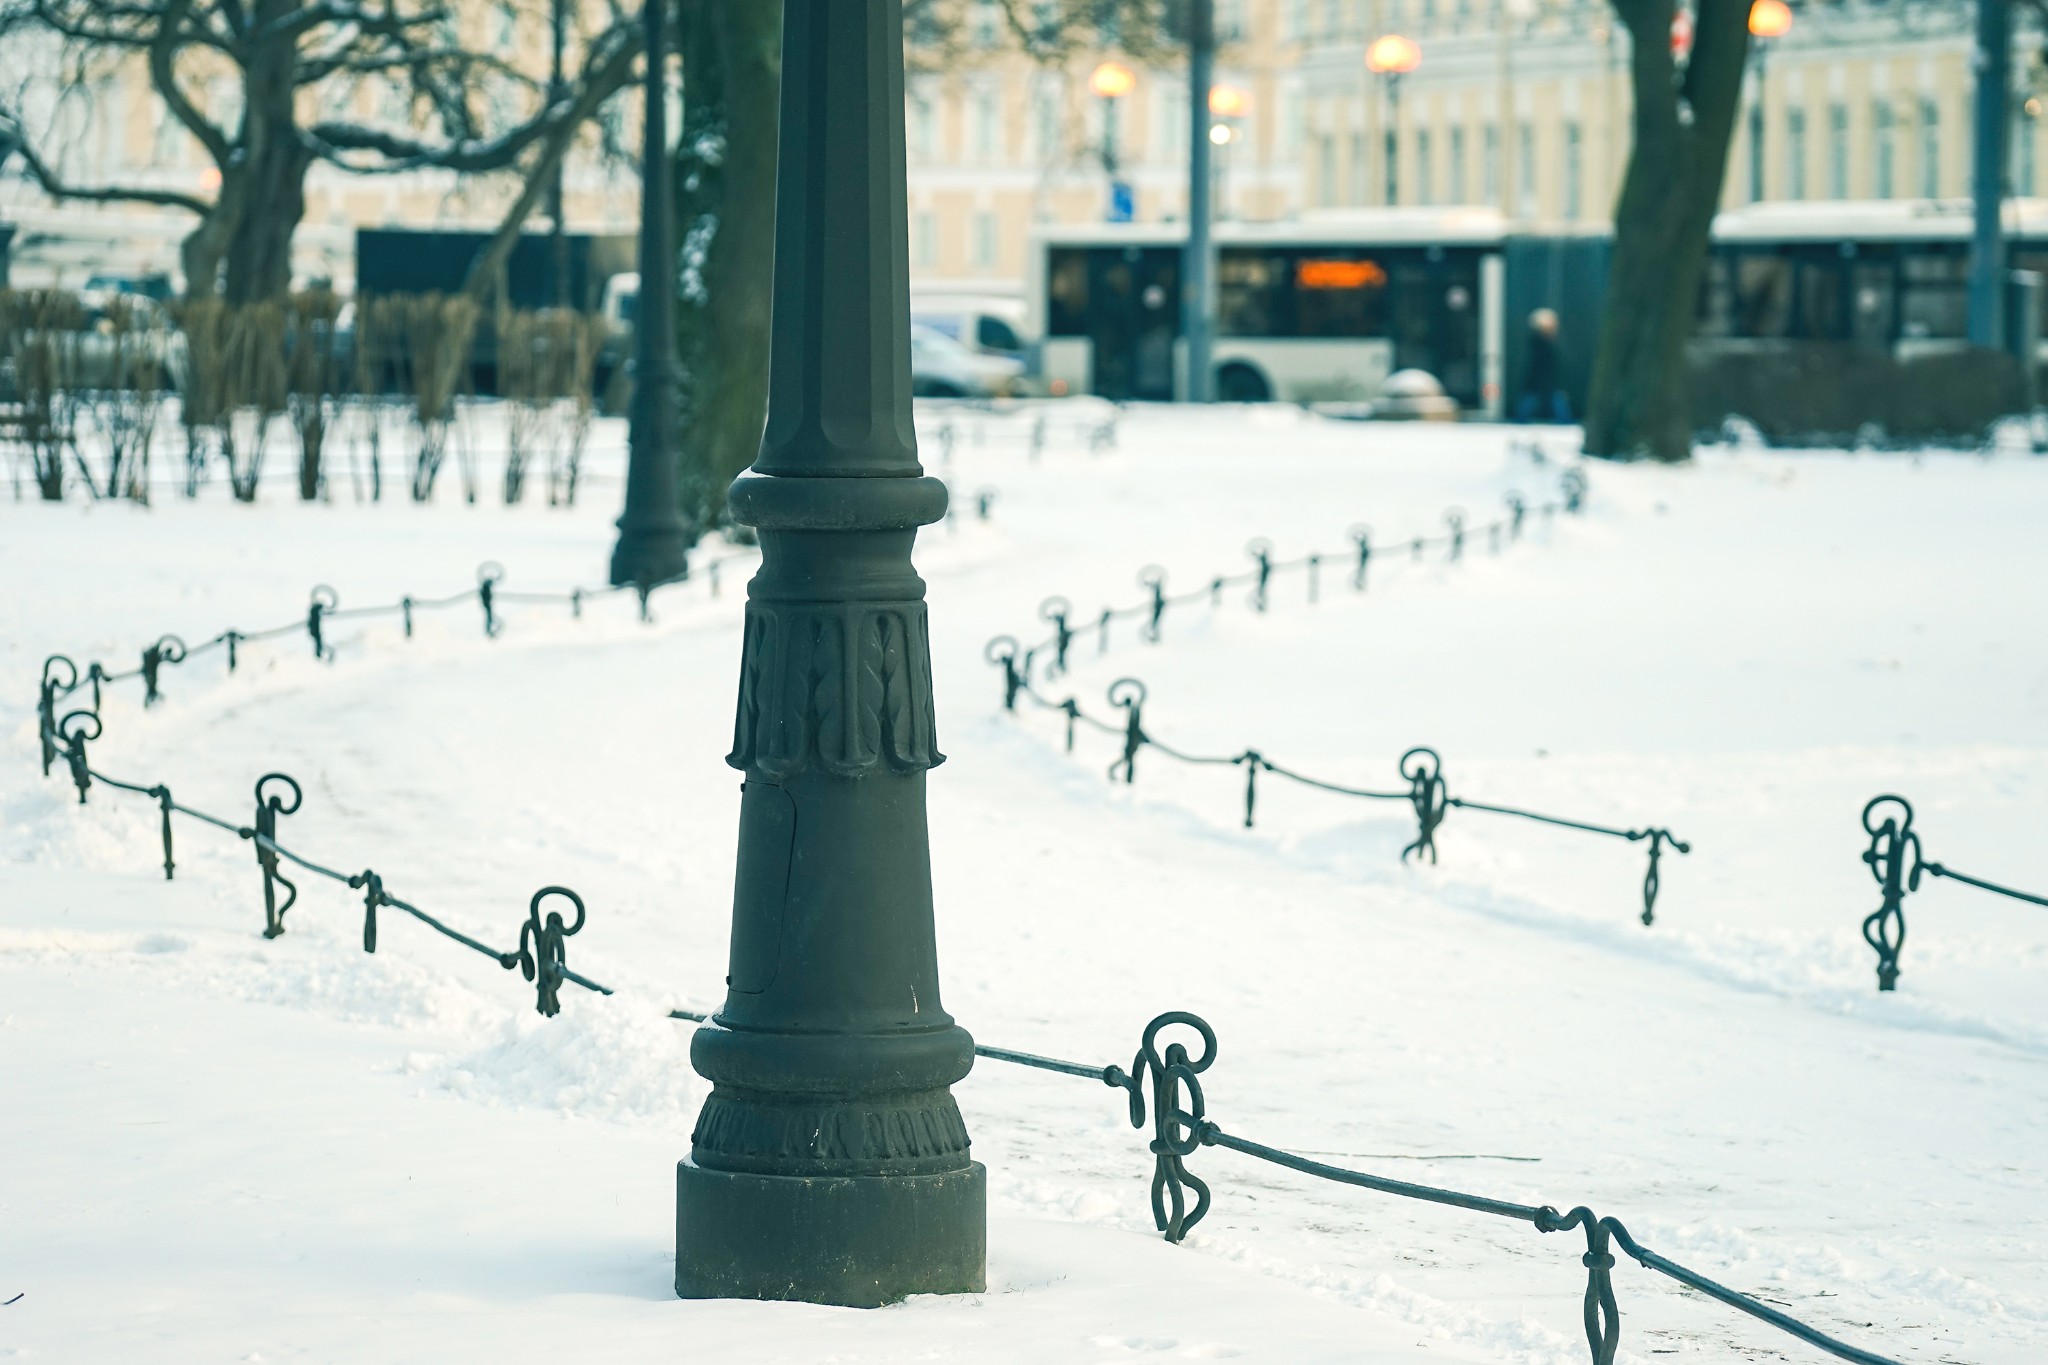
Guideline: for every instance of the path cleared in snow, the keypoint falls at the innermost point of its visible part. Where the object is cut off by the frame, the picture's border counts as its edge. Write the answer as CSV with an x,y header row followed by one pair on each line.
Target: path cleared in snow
x,y
269,1150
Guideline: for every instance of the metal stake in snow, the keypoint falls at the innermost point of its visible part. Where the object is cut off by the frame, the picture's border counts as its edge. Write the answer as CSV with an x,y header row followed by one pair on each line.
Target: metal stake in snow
x,y
830,1163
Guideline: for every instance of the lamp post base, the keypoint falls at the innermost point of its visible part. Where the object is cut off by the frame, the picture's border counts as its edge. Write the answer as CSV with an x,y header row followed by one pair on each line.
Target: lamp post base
x,y
853,1241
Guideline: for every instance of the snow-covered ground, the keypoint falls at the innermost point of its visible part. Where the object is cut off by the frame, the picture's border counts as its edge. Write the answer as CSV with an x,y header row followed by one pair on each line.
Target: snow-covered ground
x,y
217,1147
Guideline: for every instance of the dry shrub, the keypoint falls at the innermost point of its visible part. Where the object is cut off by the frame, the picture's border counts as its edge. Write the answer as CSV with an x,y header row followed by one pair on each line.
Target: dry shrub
x,y
547,364
440,331
41,332
312,380
130,360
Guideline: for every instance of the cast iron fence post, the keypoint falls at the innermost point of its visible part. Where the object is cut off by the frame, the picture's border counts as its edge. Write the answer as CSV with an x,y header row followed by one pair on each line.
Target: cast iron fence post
x,y
830,1162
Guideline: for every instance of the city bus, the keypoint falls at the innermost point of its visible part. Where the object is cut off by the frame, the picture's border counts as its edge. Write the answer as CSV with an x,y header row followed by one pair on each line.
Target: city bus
x,y
1326,306
1321,308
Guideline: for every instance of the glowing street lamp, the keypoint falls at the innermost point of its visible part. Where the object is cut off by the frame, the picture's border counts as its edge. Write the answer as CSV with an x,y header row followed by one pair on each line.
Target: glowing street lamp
x,y
1391,57
1768,19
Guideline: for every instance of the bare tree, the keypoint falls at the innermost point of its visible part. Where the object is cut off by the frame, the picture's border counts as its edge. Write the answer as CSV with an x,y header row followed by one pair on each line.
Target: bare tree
x,y
465,107
1684,119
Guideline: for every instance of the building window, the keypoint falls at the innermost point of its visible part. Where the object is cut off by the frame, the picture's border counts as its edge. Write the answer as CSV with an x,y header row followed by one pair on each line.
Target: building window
x,y
1884,135
1574,172
984,239
1425,171
1795,153
1489,164
984,126
1361,177
1930,150
924,238
1838,151
1459,190
1390,168
1525,170
1326,169
1333,18
924,124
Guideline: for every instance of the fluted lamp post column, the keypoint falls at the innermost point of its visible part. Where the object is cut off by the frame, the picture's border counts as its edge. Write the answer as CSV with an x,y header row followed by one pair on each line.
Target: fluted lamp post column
x,y
830,1162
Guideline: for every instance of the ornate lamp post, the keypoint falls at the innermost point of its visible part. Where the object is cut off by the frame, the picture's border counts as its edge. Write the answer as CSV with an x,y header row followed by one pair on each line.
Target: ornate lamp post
x,y
1768,20
1391,57
830,1163
1110,82
654,541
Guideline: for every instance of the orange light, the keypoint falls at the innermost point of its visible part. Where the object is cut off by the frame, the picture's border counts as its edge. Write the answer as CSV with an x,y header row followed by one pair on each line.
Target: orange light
x,y
1113,80
1392,55
1339,275
1227,101
209,179
1770,18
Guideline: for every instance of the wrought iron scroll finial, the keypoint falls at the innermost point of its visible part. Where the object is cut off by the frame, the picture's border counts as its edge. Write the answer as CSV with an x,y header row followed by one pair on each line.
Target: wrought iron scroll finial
x,y
1361,536
53,687
1261,550
1518,511
1894,861
488,575
1602,1314
1002,651
164,806
1572,484
1056,610
1129,694
76,730
268,808
325,600
984,499
1153,579
167,650
1424,771
1454,520
372,887
1180,1121
541,955
1652,877
1252,760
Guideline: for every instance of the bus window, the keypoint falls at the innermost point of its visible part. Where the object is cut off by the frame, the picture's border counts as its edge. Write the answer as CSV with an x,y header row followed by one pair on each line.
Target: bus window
x,y
1935,300
1875,304
1249,302
1339,297
1763,295
1821,315
1067,293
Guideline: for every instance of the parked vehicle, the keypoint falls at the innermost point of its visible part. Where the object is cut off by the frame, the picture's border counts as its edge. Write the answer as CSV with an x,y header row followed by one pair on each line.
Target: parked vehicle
x,y
986,325
941,367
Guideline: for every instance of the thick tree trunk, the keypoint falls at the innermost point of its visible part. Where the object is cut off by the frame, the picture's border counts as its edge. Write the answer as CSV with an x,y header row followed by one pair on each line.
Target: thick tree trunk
x,y
270,170
725,179
1640,402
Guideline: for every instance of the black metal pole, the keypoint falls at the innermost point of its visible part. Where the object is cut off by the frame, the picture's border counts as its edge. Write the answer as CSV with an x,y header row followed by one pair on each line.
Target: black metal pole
x,y
1993,63
1198,269
830,1163
557,186
654,539
1761,48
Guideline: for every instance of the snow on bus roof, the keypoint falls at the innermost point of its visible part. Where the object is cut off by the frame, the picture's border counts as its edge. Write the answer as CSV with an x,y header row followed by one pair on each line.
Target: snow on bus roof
x,y
1374,227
